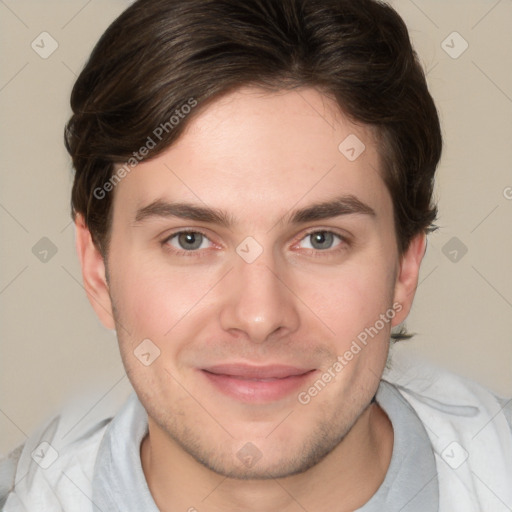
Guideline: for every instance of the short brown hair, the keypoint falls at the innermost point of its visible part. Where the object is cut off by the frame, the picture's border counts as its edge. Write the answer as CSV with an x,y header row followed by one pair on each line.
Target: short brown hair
x,y
161,53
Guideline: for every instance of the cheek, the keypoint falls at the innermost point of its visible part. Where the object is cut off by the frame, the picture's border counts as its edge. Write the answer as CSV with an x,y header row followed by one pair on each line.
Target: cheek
x,y
352,299
151,298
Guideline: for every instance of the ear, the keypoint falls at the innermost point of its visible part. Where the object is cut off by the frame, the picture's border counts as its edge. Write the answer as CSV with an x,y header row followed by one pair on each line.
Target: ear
x,y
93,273
407,279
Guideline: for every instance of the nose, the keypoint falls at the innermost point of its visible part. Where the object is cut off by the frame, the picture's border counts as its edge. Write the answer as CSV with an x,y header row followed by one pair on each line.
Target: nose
x,y
257,302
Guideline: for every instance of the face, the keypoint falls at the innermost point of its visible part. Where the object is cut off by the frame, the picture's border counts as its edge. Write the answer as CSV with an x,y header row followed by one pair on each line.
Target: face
x,y
259,262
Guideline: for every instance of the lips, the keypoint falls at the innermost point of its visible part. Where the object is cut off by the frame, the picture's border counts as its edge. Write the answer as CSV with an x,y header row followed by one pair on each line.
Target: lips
x,y
248,372
257,384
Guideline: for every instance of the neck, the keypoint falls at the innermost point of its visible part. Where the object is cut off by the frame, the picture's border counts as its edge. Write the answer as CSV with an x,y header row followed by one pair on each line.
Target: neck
x,y
344,480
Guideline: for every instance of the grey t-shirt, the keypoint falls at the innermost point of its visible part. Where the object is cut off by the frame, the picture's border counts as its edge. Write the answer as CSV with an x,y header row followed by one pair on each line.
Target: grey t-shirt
x,y
410,483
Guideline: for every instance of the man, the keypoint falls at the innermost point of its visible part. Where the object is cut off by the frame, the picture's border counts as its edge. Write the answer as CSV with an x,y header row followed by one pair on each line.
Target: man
x,y
252,194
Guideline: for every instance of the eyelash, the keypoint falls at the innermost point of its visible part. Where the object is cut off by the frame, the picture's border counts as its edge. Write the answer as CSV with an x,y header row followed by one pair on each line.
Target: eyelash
x,y
344,243
181,252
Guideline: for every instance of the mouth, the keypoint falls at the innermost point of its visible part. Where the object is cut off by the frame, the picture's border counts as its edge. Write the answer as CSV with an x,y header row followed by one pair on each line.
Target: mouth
x,y
257,384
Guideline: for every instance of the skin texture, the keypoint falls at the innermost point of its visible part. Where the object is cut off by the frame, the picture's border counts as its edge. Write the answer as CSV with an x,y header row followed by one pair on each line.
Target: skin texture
x,y
258,156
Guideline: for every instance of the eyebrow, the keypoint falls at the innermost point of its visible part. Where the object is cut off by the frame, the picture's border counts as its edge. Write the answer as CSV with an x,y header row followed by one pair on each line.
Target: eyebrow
x,y
164,209
343,205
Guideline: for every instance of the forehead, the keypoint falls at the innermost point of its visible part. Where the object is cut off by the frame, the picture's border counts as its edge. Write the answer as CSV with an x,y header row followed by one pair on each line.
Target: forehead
x,y
256,151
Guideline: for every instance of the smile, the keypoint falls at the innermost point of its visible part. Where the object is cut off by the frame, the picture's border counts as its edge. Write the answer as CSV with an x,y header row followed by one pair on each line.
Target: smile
x,y
256,384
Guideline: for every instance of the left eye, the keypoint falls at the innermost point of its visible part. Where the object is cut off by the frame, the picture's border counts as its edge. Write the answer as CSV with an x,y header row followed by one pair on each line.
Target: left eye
x,y
320,240
188,240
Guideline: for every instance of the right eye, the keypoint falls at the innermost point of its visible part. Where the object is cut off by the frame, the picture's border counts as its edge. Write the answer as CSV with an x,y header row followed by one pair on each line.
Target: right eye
x,y
188,241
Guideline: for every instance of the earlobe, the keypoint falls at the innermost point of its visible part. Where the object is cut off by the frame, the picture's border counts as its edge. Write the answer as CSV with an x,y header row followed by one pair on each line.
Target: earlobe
x,y
93,273
407,278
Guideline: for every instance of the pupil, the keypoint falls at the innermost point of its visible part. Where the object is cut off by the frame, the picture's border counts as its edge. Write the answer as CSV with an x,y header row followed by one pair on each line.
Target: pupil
x,y
322,240
190,240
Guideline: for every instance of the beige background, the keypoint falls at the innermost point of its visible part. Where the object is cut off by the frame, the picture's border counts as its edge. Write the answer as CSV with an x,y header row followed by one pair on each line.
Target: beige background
x,y
55,351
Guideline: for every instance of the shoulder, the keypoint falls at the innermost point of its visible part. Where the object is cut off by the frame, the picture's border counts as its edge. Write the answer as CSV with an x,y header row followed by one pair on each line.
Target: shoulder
x,y
451,405
456,411
8,467
59,454
469,430
506,404
442,389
